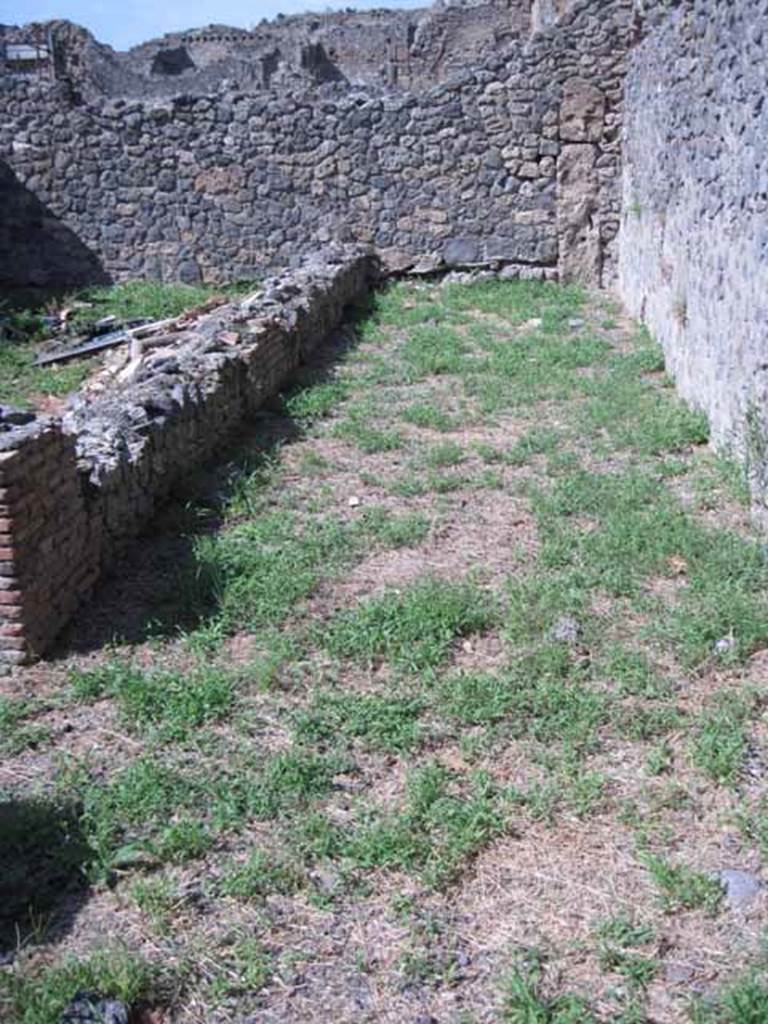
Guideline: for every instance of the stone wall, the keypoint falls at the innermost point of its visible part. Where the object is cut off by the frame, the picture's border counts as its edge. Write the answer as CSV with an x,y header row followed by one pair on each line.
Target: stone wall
x,y
694,236
478,169
74,489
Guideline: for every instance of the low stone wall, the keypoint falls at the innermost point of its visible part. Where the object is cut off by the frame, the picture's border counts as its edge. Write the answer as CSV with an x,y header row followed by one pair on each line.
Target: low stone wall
x,y
74,489
693,261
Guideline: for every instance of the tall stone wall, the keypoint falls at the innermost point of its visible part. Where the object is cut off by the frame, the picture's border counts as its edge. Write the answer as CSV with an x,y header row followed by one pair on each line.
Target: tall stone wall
x,y
694,235
478,169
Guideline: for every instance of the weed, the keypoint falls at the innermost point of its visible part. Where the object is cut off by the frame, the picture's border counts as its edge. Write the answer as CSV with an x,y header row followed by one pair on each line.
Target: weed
x,y
21,382
434,351
742,1002
157,897
428,415
536,603
40,994
395,531
624,932
681,887
16,733
259,570
632,412
313,463
241,967
440,826
538,441
258,876
632,674
720,741
617,939
566,785
526,1003
415,628
153,300
317,401
367,438
171,703
448,453
385,723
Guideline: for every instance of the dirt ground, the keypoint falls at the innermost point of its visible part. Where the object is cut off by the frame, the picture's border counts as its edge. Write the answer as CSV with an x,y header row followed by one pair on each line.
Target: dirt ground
x,y
441,700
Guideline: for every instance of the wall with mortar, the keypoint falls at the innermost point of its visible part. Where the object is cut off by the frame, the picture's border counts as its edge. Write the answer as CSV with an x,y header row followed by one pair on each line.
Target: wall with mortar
x,y
694,236
72,490
515,162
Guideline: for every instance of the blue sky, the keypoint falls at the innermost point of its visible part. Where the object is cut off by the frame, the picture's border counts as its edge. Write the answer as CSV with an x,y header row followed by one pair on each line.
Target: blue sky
x,y
134,21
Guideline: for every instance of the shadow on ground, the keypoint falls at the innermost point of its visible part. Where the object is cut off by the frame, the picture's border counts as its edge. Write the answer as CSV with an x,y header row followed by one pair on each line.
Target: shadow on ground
x,y
43,857
156,589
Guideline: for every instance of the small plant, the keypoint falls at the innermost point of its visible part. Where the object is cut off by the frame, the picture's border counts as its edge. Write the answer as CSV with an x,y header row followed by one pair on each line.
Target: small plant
x,y
415,628
16,733
441,826
170,702
40,994
720,741
448,453
525,1001
683,888
395,531
258,876
158,898
317,401
240,966
618,939
742,1002
428,415
386,723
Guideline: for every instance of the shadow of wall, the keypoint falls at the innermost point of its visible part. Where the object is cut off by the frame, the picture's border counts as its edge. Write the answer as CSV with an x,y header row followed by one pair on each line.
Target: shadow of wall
x,y
43,860
38,253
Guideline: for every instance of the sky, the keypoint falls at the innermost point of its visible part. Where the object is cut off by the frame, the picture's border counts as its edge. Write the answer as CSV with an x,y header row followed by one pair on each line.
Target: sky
x,y
123,24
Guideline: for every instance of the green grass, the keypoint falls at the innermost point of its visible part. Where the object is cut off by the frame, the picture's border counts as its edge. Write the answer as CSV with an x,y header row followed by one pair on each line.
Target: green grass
x,y
369,439
395,531
365,742
434,351
21,382
618,941
537,441
414,628
144,811
258,876
166,704
632,674
16,732
380,723
681,888
41,995
153,300
447,453
720,736
525,1001
428,415
316,402
259,570
245,967
744,1001
442,824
